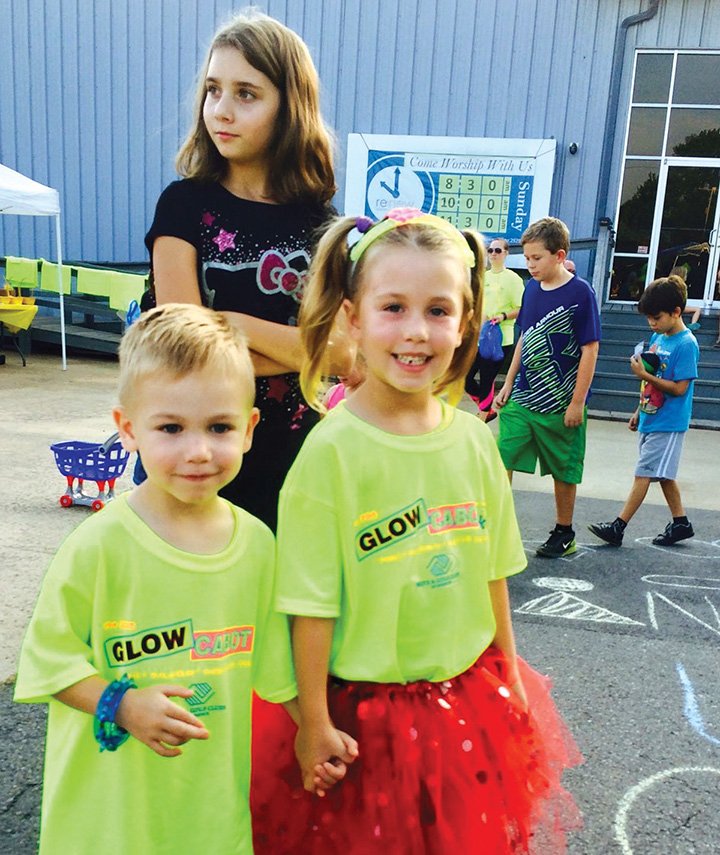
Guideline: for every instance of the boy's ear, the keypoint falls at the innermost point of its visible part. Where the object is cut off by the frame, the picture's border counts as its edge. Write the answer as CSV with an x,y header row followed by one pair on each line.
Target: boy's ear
x,y
253,419
561,255
125,428
351,316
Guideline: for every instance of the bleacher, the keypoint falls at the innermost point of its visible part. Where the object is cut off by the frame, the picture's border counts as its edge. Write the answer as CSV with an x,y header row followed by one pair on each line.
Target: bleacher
x,y
95,301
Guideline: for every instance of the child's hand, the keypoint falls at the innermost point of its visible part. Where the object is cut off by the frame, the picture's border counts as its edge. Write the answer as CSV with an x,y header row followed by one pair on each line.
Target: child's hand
x,y
323,753
333,771
502,397
151,717
636,366
633,421
573,415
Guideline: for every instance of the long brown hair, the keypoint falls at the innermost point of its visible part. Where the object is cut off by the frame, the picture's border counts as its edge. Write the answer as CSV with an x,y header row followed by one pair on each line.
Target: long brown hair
x,y
333,278
301,161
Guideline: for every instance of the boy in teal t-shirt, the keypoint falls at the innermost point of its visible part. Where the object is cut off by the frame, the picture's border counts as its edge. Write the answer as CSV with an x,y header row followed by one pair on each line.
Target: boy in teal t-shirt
x,y
155,616
663,415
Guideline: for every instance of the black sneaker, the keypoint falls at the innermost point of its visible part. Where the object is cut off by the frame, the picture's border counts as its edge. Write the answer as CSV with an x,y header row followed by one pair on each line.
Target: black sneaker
x,y
559,543
610,532
673,533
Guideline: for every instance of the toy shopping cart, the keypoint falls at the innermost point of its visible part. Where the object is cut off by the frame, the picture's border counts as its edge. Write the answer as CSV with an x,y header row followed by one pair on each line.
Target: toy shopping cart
x,y
89,461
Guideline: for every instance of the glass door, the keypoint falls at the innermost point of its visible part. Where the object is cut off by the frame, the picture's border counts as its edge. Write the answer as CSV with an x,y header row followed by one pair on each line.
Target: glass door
x,y
685,235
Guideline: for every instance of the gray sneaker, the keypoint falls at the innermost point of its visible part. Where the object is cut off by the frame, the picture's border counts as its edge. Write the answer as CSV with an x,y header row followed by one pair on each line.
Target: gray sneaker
x,y
610,532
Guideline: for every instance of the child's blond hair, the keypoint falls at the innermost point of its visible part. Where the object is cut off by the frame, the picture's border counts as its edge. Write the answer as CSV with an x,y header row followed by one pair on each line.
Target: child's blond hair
x,y
179,338
552,233
334,278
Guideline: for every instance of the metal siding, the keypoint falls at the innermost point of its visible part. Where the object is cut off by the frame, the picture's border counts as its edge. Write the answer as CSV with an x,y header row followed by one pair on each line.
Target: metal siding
x,y
402,74
496,57
69,157
97,96
8,115
137,128
466,93
589,69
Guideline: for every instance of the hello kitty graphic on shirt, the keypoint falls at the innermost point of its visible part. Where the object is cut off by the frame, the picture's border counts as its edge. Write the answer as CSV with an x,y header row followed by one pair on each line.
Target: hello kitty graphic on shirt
x,y
276,272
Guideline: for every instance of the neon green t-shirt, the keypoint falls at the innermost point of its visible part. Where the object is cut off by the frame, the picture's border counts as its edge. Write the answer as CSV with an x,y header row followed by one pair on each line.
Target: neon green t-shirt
x,y
503,293
397,538
118,599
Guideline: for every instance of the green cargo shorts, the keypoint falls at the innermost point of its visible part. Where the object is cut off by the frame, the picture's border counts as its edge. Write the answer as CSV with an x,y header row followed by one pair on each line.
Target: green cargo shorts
x,y
526,437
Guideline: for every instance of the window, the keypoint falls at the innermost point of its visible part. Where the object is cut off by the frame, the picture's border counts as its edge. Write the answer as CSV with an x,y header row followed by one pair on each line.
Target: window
x,y
674,112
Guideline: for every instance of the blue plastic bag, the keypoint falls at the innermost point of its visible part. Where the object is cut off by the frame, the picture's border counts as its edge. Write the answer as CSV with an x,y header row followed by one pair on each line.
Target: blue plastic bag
x,y
490,343
133,313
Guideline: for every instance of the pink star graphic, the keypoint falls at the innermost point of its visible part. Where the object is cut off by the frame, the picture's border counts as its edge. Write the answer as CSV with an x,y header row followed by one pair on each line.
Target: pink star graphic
x,y
225,240
297,415
277,387
207,218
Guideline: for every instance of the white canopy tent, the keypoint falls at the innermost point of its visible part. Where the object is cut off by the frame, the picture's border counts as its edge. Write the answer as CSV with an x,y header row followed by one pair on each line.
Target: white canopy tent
x,y
23,196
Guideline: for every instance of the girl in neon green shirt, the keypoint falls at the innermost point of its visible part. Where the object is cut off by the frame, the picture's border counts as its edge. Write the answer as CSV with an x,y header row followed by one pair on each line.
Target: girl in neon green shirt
x,y
396,534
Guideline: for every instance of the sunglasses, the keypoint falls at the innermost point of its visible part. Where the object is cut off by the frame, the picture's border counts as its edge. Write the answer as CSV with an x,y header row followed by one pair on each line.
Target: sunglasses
x,y
493,249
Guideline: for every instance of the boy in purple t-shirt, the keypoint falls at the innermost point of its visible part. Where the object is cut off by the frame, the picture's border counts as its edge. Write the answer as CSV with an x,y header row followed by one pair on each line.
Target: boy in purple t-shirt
x,y
544,416
662,417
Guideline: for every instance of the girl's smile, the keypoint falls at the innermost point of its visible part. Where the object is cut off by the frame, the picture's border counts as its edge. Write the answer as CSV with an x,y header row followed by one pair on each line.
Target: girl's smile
x,y
407,359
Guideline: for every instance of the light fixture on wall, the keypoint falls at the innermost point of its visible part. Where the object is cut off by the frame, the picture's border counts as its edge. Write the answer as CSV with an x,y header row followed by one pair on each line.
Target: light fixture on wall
x,y
572,148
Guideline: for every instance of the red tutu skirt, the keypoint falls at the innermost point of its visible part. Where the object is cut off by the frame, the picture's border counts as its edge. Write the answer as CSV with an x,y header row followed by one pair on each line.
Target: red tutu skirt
x,y
451,767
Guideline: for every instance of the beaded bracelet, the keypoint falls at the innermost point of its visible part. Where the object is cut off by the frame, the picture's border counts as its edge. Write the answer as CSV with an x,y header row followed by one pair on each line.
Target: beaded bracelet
x,y
108,734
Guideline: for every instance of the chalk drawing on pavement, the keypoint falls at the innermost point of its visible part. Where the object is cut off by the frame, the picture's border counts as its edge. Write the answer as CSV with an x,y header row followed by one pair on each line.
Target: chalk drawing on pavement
x,y
691,707
699,583
567,605
561,583
652,596
631,796
687,549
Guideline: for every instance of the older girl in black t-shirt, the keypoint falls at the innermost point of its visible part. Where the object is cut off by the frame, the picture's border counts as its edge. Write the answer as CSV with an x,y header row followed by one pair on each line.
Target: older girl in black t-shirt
x,y
236,233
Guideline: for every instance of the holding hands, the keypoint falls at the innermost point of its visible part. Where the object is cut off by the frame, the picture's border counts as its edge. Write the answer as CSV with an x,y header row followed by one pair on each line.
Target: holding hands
x,y
323,753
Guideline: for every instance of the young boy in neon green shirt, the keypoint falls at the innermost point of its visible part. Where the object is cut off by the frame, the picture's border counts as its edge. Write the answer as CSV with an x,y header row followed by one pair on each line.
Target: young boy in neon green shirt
x,y
155,616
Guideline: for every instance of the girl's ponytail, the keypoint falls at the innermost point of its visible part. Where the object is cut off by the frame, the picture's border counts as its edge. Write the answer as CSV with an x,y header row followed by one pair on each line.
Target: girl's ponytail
x,y
327,287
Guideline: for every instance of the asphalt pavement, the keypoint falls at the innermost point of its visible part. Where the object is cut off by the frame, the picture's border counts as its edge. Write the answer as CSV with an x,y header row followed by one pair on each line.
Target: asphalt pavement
x,y
629,636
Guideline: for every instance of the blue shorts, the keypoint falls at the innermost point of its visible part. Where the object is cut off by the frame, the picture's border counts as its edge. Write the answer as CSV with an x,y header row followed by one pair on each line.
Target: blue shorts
x,y
659,455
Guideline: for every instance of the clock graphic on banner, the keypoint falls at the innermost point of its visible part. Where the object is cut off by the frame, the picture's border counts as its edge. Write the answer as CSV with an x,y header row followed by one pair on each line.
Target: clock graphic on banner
x,y
397,186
